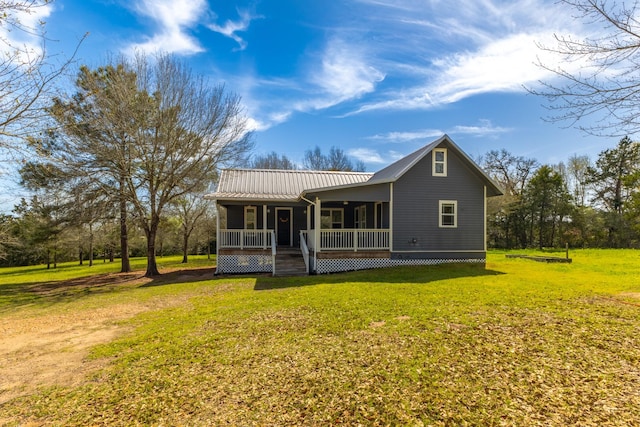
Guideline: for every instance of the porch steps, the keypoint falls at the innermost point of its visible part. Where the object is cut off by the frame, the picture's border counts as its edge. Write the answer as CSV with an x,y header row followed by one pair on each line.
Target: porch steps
x,y
289,262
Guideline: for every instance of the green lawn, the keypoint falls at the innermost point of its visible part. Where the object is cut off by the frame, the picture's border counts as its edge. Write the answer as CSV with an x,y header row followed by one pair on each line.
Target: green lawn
x,y
517,343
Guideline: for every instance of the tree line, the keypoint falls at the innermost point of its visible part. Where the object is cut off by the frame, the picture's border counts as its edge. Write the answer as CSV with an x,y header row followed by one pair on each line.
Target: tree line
x,y
131,149
580,203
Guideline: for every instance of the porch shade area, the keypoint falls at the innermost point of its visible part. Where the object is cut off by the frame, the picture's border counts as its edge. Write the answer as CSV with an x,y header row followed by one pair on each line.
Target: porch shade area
x,y
343,226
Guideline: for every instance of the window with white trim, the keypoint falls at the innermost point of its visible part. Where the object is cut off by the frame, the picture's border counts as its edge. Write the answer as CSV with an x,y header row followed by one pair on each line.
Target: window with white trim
x,y
448,217
361,216
250,218
439,157
332,218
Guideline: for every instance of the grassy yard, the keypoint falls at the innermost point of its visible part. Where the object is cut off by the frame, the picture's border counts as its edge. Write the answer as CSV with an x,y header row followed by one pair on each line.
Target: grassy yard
x,y
517,343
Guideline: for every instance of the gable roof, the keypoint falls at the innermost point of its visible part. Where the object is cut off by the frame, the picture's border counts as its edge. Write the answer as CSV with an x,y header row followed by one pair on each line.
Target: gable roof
x,y
278,184
292,185
394,171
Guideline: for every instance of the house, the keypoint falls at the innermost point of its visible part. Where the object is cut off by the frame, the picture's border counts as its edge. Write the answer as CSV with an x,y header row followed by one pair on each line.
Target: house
x,y
426,208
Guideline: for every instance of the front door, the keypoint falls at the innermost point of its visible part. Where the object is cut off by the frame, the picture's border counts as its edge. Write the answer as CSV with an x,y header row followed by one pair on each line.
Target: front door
x,y
283,225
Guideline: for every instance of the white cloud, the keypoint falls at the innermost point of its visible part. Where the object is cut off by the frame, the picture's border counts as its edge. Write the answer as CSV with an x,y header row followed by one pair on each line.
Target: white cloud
x,y
407,136
231,28
22,42
174,17
367,155
453,50
343,75
504,65
484,128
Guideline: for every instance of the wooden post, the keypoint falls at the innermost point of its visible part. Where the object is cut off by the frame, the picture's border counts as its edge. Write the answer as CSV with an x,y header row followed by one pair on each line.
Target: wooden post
x,y
566,245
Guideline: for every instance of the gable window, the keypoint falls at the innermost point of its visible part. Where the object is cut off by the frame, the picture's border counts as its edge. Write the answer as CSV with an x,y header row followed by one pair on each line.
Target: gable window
x,y
361,216
439,167
331,218
250,218
448,214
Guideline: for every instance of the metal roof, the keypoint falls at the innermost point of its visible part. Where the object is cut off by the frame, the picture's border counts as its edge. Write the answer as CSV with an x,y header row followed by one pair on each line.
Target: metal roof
x,y
279,185
291,185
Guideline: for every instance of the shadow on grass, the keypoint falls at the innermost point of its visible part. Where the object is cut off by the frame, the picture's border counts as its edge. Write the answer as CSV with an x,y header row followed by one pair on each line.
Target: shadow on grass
x,y
405,274
181,276
54,292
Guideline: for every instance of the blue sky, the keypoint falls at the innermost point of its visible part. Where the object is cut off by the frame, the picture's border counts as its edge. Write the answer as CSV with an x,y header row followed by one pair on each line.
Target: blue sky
x,y
377,78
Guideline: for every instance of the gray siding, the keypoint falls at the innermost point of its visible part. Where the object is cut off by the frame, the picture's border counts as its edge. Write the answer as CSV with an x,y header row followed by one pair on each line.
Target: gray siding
x,y
416,212
366,193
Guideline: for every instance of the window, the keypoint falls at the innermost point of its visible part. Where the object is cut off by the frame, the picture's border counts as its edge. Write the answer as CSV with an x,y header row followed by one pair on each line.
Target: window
x,y
361,216
439,156
331,218
448,214
250,218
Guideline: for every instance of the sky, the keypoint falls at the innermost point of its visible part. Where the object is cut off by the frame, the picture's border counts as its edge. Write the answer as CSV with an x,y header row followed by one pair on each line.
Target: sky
x,y
376,78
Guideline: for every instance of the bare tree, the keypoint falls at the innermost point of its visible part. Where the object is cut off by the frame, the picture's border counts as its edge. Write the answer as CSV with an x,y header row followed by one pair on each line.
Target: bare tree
x,y
336,160
27,70
189,210
578,168
272,160
606,85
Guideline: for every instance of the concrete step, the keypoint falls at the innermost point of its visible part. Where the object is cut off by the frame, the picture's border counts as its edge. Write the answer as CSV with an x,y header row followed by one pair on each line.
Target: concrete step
x,y
290,262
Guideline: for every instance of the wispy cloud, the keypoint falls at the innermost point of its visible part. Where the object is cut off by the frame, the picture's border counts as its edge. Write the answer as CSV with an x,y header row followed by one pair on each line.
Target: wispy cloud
x,y
343,74
174,18
21,42
338,74
408,55
368,155
407,136
499,54
232,28
483,128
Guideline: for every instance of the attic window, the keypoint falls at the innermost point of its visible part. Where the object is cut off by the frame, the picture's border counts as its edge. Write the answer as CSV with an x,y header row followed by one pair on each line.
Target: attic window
x,y
439,156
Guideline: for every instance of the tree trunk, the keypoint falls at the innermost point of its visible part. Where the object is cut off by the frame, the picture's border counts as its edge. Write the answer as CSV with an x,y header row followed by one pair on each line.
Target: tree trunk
x,y
152,266
185,246
81,256
90,246
124,238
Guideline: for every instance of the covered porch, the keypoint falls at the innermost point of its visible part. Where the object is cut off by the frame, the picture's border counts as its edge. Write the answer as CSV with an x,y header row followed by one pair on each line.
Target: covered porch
x,y
324,225
250,237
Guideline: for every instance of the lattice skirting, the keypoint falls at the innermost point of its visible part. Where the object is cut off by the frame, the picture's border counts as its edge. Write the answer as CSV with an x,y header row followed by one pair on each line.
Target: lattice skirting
x,y
244,263
347,264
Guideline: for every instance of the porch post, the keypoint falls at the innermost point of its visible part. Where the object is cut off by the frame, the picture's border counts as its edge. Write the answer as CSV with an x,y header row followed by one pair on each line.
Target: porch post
x,y
391,217
316,225
217,235
264,226
308,218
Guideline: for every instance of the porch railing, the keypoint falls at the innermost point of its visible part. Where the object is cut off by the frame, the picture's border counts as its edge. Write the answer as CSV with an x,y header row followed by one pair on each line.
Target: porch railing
x,y
246,239
304,248
353,239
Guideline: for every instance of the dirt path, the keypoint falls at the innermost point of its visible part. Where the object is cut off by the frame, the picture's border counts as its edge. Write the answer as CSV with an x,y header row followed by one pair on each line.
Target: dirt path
x,y
38,350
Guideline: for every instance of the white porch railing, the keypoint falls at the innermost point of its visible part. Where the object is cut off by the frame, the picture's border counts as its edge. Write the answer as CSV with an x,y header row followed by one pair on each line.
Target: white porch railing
x,y
304,248
246,239
352,239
